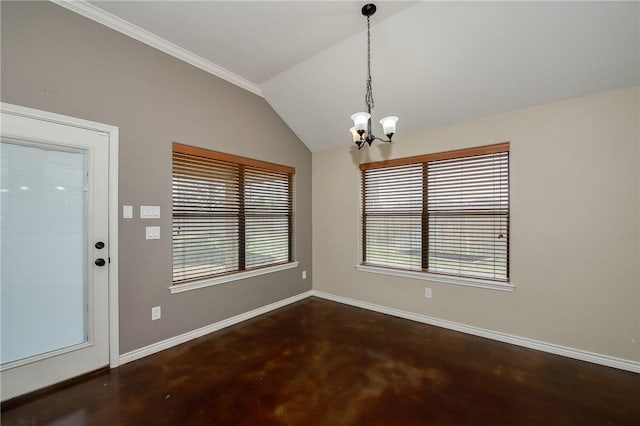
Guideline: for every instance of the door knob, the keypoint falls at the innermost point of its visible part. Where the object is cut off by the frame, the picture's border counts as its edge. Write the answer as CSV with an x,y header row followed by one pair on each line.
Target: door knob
x,y
100,261
99,245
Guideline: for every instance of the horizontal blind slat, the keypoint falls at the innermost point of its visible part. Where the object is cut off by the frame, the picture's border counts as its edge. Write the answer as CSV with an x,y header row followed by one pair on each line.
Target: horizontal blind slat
x,y
463,202
228,216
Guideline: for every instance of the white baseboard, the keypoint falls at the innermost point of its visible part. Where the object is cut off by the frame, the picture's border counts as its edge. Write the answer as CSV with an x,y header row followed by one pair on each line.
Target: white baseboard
x,y
173,341
609,361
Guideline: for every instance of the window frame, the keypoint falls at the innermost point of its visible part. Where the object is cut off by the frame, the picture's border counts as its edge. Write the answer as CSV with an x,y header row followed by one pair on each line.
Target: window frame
x,y
425,274
242,163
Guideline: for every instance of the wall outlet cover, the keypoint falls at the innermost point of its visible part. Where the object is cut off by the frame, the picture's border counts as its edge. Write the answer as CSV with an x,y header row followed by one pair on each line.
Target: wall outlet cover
x,y
156,313
149,212
152,232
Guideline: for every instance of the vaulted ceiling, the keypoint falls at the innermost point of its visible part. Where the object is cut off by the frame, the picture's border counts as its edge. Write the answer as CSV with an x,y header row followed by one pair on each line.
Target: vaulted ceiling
x,y
432,62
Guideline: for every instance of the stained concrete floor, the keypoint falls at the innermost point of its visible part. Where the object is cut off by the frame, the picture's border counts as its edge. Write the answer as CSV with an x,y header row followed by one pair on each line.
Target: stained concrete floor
x,y
318,362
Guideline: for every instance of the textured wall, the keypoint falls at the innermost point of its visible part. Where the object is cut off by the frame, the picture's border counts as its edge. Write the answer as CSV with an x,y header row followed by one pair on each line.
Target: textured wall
x,y
55,60
574,225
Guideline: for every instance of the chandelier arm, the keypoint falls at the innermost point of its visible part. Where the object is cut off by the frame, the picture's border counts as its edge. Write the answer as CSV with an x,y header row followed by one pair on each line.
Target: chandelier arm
x,y
370,137
381,140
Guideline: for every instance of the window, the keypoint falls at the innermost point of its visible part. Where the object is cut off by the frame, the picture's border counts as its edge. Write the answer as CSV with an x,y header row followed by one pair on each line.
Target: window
x,y
230,214
445,213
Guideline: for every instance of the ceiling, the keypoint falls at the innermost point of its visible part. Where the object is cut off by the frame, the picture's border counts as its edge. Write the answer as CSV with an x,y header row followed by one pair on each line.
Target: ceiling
x,y
433,63
257,40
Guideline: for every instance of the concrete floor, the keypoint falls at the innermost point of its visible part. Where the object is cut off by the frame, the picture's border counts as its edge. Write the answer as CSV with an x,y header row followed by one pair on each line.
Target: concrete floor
x,y
318,362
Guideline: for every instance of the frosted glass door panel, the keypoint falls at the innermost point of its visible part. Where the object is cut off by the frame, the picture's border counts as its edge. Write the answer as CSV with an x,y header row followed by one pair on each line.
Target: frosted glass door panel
x,y
43,249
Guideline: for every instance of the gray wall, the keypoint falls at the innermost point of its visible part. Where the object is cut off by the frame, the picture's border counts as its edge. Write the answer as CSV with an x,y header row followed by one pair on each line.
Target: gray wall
x,y
57,61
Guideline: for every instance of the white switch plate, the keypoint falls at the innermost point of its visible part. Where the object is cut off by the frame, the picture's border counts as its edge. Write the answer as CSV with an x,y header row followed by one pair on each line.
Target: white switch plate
x,y
427,293
153,232
149,212
127,212
304,275
155,313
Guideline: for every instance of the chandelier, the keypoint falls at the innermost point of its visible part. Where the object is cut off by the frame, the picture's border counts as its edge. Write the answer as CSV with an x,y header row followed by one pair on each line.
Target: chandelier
x,y
361,130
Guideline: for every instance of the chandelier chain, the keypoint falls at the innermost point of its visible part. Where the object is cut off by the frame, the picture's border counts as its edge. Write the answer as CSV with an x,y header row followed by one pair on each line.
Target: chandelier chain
x,y
368,97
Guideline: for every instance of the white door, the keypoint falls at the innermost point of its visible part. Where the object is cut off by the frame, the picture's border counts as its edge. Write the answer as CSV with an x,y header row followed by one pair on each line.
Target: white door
x,y
54,244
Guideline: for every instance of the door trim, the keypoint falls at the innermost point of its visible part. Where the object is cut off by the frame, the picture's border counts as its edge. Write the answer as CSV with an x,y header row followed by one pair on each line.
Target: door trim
x,y
112,133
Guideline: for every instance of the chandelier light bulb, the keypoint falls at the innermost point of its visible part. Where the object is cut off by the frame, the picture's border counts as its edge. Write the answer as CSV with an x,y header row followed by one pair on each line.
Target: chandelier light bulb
x,y
354,134
360,120
389,125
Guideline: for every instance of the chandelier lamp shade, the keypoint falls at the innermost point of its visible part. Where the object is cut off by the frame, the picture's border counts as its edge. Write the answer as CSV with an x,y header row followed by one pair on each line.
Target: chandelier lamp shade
x,y
361,130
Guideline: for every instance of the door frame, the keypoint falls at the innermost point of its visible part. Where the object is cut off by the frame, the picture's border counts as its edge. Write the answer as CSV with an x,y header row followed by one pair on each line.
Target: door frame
x,y
113,133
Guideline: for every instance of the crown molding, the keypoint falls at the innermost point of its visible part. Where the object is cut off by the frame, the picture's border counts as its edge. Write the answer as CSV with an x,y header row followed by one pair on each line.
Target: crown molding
x,y
107,19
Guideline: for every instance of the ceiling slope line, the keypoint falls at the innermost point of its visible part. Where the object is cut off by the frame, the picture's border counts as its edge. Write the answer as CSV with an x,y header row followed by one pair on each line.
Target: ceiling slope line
x,y
107,19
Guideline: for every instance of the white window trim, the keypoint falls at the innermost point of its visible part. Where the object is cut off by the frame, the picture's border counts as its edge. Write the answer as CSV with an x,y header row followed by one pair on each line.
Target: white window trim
x,y
446,279
208,282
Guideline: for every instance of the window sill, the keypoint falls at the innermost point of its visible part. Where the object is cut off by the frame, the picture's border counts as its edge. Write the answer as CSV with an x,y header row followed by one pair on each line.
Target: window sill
x,y
470,282
179,288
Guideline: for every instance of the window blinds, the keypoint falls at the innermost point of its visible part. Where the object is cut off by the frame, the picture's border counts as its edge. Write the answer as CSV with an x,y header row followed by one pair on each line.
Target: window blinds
x,y
392,231
444,213
230,214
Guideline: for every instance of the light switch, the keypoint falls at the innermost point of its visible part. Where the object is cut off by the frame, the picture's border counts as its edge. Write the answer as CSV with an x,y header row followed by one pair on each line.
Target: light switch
x,y
127,212
153,232
149,212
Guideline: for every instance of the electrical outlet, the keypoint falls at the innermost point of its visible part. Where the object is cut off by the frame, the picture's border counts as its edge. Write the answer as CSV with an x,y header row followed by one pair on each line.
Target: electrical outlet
x,y
427,293
304,275
155,313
